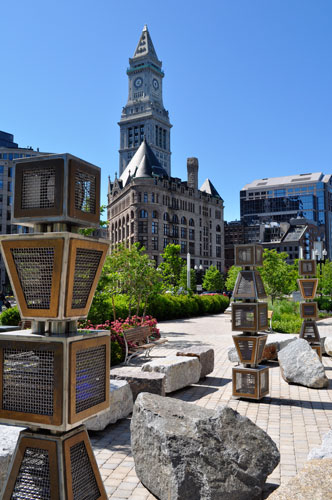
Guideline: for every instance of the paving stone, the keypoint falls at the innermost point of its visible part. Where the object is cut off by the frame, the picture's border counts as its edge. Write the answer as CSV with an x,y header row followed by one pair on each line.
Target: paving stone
x,y
140,381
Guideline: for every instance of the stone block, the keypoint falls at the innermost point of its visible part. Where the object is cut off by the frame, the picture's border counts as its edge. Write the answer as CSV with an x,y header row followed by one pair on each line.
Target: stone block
x,y
140,381
299,364
186,452
325,450
8,439
205,356
328,346
313,482
180,371
121,405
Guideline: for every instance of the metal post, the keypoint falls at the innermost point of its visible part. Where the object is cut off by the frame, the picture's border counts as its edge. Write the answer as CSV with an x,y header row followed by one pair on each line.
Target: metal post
x,y
188,271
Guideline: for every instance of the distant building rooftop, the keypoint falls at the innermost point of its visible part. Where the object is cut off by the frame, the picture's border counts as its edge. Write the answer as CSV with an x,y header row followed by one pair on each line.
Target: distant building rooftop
x,y
7,140
270,182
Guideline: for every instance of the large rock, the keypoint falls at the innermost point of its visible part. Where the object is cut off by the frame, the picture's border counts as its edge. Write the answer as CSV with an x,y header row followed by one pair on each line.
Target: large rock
x,y
8,439
140,381
313,482
299,364
275,342
205,355
121,405
325,450
183,451
328,345
180,371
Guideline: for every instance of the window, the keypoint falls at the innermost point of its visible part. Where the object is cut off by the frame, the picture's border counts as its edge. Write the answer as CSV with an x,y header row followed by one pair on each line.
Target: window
x,y
166,216
154,227
152,198
154,242
183,220
183,247
191,234
175,231
154,214
142,226
218,239
166,229
143,214
183,232
191,222
165,243
175,219
218,229
145,199
218,252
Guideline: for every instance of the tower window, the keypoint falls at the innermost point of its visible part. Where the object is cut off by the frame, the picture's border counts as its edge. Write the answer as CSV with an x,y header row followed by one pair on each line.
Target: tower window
x,y
164,139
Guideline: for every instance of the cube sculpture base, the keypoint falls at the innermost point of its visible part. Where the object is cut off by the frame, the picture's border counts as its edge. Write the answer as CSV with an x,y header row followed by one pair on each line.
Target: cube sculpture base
x,y
54,467
250,383
318,349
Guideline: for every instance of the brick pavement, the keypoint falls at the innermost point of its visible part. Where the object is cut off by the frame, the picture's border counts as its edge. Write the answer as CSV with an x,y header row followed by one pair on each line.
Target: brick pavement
x,y
295,417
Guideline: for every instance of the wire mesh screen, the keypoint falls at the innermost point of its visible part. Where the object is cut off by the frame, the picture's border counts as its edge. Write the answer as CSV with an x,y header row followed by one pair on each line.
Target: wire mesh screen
x,y
245,383
84,483
244,316
86,266
85,192
244,256
28,381
263,318
309,331
38,188
90,377
34,267
309,310
261,345
245,286
308,288
260,286
264,382
33,479
246,348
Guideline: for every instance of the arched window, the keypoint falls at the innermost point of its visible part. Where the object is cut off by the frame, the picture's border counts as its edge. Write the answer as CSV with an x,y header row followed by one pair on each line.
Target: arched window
x,y
132,214
183,220
166,216
123,221
143,214
154,214
191,222
127,218
175,219
218,229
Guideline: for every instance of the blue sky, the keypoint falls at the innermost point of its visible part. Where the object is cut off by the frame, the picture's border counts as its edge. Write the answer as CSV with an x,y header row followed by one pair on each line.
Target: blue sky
x,y
247,82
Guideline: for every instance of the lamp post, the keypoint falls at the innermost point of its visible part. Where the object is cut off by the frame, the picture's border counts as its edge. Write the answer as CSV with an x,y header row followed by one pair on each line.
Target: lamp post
x,y
188,271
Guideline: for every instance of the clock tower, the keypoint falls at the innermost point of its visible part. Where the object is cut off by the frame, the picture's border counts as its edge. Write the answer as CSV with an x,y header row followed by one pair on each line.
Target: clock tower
x,y
144,114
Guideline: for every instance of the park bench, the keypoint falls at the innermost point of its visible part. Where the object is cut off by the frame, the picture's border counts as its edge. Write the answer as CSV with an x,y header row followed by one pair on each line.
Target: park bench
x,y
137,341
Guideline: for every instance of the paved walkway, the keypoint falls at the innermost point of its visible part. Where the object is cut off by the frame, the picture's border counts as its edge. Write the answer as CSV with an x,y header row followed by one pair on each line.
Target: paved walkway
x,y
295,417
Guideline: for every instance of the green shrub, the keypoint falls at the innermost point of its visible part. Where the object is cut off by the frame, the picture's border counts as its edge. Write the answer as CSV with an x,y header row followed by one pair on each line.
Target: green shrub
x,y
117,350
10,317
286,316
324,303
167,307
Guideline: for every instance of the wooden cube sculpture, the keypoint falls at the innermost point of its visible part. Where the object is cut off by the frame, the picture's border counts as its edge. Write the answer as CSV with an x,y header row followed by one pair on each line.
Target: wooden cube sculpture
x,y
249,285
250,348
308,287
248,255
309,310
56,188
54,383
54,467
251,317
309,331
252,383
53,275
307,267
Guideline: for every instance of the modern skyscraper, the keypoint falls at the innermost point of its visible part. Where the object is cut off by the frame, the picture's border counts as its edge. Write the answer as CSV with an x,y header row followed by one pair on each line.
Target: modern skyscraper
x,y
144,114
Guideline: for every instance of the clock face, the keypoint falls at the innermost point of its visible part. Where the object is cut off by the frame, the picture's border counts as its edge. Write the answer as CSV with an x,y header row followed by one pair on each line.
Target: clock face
x,y
155,84
138,82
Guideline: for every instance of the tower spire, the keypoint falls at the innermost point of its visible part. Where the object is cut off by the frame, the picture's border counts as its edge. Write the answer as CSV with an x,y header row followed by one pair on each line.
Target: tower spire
x,y
145,46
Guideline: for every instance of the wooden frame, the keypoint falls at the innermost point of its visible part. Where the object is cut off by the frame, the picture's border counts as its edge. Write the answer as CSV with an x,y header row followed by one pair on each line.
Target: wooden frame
x,y
34,213
307,267
255,347
67,444
318,349
258,310
309,310
58,245
24,443
77,243
34,418
304,284
248,255
249,285
304,334
74,166
258,375
74,417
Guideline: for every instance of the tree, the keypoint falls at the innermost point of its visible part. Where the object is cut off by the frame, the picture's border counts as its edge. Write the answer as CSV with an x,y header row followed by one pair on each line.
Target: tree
x,y
171,266
278,278
183,279
213,280
325,278
231,277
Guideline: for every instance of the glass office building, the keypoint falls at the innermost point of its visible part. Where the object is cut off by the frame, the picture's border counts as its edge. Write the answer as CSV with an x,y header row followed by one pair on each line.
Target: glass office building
x,y
283,198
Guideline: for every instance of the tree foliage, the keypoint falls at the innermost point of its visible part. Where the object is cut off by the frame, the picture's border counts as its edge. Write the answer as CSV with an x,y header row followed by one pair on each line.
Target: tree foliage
x,y
279,277
231,277
183,279
325,278
213,280
171,266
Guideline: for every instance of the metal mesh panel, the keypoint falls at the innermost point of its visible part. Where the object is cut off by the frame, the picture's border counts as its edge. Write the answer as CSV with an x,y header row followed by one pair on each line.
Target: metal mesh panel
x,y
35,270
246,348
264,382
90,377
307,267
261,345
244,256
245,383
38,188
85,192
244,317
309,331
309,310
259,255
83,479
245,285
308,288
262,318
260,286
28,381
86,266
33,479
